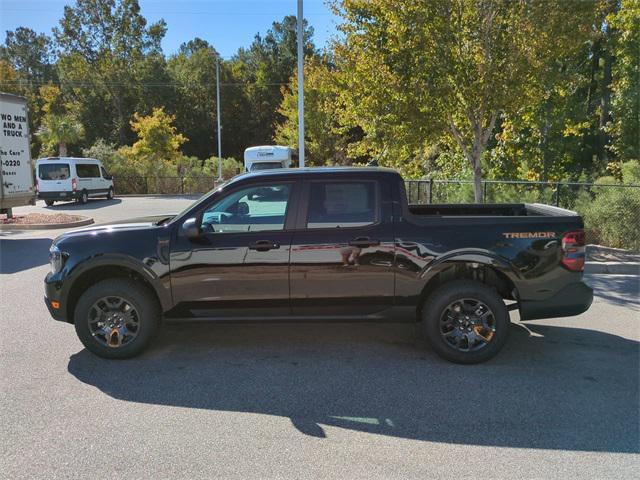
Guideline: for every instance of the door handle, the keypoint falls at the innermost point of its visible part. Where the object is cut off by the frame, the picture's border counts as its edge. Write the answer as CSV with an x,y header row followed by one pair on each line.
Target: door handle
x,y
263,245
364,242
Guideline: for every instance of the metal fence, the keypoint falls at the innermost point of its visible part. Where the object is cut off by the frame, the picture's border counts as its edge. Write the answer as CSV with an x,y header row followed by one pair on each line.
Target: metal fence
x,y
560,194
164,185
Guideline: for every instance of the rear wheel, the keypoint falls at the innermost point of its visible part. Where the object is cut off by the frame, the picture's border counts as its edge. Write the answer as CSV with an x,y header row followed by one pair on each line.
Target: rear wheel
x,y
465,322
49,203
116,318
84,197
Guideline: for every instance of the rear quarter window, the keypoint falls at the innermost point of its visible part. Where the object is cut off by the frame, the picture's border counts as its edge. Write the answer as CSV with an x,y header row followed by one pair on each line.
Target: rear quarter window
x,y
53,171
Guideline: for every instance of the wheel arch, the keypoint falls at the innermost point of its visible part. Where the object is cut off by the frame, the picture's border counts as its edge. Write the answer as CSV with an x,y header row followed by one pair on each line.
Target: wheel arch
x,y
479,267
91,273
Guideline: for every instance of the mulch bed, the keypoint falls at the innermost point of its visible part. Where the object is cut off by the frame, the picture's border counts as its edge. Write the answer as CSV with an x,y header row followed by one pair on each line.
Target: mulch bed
x,y
40,219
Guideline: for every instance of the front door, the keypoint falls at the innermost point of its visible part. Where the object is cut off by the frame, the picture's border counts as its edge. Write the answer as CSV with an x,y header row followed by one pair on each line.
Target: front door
x,y
342,260
239,267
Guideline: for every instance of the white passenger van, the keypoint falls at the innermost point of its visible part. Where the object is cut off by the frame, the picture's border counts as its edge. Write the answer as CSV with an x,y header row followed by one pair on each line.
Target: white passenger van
x,y
69,178
267,157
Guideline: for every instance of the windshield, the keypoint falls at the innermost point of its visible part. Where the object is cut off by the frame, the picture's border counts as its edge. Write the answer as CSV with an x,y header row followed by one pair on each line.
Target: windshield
x,y
265,166
202,199
53,171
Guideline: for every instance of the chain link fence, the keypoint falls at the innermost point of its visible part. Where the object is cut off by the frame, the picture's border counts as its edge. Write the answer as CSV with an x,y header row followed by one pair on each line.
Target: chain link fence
x,y
164,185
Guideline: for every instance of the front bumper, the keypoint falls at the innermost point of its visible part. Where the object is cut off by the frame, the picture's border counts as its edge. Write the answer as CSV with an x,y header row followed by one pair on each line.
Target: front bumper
x,y
573,299
52,289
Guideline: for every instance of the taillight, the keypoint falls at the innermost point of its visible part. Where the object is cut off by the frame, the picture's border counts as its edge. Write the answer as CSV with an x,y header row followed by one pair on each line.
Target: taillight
x,y
573,250
74,184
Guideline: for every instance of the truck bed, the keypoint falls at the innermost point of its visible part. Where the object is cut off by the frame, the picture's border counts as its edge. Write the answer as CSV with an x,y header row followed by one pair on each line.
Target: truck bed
x,y
489,210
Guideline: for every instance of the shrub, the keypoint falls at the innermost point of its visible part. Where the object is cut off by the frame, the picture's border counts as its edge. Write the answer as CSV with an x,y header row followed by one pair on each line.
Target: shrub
x,y
612,217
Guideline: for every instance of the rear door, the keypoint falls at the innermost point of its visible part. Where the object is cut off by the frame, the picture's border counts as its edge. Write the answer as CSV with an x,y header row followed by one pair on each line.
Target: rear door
x,y
54,177
342,257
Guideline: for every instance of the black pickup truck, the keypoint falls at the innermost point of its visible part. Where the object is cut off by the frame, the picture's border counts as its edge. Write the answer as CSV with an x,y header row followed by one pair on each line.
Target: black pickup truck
x,y
321,244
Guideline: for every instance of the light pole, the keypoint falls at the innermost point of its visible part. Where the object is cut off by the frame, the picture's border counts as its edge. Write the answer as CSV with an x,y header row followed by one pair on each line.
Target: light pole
x,y
300,85
218,117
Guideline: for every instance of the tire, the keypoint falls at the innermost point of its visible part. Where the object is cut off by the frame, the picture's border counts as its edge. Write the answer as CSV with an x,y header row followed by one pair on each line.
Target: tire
x,y
452,305
49,203
84,197
142,303
110,194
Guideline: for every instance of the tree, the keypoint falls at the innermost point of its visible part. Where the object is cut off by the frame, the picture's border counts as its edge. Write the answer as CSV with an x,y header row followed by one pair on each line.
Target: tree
x,y
157,149
430,69
103,47
325,139
60,130
625,126
264,68
30,54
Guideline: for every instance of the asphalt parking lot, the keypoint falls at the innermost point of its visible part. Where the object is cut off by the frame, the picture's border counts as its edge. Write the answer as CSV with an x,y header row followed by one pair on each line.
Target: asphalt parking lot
x,y
311,401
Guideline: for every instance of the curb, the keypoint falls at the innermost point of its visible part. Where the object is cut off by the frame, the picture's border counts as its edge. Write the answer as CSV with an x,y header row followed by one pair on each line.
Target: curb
x,y
47,226
613,268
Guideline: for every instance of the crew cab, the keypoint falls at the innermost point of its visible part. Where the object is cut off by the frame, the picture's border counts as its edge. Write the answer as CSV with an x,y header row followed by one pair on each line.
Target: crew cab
x,y
321,244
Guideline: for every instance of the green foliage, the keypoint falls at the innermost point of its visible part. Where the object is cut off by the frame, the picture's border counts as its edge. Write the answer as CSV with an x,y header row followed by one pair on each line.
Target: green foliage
x,y
612,215
59,130
157,149
626,81
325,141
424,70
535,90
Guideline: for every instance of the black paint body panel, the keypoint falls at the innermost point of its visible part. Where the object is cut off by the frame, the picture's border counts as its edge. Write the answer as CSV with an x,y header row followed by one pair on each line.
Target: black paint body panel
x,y
316,273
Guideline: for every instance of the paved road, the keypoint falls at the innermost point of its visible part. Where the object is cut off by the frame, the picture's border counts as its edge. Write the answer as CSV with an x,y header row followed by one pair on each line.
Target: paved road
x,y
313,401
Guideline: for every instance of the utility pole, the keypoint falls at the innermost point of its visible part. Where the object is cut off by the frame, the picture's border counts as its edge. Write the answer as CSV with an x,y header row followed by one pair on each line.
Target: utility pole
x,y
300,84
218,117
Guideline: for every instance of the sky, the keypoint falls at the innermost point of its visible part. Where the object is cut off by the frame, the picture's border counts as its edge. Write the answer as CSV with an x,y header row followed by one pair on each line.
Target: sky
x,y
225,24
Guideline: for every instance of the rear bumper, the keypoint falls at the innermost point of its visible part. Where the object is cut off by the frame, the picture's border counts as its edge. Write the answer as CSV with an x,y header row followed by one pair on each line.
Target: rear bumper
x,y
574,299
57,195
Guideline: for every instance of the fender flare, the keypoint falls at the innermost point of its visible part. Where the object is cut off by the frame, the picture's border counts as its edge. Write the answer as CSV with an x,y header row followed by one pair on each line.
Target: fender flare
x,y
163,293
479,256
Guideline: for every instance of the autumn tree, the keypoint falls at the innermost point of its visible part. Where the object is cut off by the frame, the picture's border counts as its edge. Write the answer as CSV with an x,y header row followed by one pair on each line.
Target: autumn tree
x,y
423,69
157,149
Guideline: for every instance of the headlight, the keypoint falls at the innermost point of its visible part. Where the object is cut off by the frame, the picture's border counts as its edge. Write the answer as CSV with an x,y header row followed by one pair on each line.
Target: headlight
x,y
56,259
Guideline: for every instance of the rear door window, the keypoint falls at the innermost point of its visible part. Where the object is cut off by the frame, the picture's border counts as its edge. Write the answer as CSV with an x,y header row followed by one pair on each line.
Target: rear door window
x,y
342,204
53,171
87,170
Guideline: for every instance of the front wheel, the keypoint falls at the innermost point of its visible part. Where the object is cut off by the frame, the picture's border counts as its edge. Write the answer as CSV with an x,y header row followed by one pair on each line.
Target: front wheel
x,y
116,318
110,194
49,203
465,322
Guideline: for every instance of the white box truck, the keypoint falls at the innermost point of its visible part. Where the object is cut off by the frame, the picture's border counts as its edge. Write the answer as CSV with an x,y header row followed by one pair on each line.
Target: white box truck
x,y
16,174
267,157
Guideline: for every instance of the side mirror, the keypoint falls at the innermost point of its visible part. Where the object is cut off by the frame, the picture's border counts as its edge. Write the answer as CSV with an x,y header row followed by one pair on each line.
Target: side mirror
x,y
190,228
109,177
